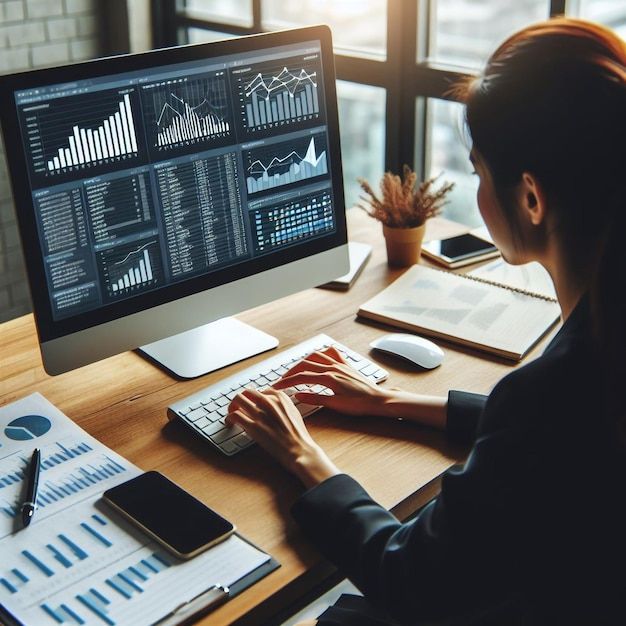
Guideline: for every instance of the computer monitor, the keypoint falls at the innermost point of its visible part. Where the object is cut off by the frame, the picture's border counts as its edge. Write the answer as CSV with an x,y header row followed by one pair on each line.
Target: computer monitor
x,y
158,192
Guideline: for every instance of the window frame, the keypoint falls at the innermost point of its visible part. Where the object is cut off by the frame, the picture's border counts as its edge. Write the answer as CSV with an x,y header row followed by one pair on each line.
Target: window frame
x,y
406,80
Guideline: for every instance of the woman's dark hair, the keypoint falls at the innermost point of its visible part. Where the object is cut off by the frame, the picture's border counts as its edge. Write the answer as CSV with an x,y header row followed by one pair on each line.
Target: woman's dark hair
x,y
552,101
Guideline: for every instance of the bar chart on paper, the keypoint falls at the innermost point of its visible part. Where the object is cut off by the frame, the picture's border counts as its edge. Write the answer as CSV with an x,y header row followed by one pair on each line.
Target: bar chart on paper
x,y
80,563
285,163
273,95
68,469
90,567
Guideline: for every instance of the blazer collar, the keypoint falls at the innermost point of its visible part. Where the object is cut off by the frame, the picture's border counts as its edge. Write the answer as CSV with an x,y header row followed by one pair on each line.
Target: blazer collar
x,y
576,327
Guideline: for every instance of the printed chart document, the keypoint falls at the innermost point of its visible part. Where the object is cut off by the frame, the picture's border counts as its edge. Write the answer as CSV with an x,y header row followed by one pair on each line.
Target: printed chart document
x,y
79,562
467,310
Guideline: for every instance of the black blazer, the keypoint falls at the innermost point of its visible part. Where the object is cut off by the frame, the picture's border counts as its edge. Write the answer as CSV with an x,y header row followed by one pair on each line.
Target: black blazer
x,y
530,530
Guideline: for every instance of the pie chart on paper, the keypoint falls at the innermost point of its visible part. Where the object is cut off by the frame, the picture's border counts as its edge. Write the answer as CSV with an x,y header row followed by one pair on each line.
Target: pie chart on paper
x,y
27,427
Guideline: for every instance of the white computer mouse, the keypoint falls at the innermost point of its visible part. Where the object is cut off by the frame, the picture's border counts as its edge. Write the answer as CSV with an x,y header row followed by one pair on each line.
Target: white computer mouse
x,y
416,349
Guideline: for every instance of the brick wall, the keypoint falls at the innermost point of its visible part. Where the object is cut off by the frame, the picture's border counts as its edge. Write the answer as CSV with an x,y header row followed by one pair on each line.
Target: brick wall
x,y
35,33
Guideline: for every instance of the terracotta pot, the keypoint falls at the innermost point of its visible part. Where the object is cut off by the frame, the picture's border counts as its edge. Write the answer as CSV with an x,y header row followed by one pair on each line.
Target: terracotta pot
x,y
404,245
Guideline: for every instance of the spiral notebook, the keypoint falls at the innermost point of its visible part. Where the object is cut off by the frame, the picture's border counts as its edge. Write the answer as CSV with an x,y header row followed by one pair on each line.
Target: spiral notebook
x,y
467,309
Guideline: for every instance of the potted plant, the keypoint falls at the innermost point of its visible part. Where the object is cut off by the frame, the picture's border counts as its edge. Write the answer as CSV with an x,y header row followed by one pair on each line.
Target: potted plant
x,y
403,211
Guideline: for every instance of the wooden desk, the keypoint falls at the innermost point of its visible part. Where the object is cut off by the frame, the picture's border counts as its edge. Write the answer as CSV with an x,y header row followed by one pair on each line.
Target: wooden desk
x,y
122,401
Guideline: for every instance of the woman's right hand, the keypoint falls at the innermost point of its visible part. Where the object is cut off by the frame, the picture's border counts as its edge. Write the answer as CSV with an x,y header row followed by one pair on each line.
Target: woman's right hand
x,y
352,393
355,395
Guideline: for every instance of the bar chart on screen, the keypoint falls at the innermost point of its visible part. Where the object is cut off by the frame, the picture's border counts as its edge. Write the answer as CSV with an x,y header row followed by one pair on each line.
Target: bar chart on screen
x,y
284,95
69,136
130,267
116,136
187,111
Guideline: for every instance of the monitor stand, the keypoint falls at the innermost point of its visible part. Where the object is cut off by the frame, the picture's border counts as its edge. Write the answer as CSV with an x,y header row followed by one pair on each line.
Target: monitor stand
x,y
207,348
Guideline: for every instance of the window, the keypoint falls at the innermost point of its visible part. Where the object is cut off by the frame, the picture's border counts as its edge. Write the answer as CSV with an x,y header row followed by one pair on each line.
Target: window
x,y
465,32
395,62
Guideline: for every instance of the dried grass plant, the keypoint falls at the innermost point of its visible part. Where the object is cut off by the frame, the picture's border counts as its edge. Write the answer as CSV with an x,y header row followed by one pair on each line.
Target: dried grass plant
x,y
403,205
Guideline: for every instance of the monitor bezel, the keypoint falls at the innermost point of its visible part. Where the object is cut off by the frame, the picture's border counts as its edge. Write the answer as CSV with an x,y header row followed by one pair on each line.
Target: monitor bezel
x,y
50,329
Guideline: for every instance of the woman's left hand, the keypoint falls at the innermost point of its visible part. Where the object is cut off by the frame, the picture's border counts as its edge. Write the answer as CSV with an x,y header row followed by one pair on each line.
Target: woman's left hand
x,y
272,420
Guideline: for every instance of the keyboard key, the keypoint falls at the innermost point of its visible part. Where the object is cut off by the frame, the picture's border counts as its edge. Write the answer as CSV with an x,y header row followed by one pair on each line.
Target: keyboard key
x,y
222,401
226,433
222,411
368,370
202,422
229,446
196,414
242,440
272,376
213,428
195,405
214,416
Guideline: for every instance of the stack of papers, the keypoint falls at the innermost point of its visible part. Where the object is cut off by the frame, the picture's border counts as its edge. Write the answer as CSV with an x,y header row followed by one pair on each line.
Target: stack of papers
x,y
79,562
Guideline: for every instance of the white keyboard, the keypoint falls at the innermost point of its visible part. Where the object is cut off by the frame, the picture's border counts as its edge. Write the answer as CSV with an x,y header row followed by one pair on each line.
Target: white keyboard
x,y
205,410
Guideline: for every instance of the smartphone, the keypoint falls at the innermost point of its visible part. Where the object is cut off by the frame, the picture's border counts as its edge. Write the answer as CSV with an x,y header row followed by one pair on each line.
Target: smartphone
x,y
460,250
178,521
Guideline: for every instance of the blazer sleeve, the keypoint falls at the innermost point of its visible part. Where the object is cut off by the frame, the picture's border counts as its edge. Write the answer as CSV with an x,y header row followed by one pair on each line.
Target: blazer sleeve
x,y
419,569
464,411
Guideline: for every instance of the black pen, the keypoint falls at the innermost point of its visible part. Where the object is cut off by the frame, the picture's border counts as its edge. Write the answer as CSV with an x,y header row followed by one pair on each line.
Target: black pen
x,y
28,508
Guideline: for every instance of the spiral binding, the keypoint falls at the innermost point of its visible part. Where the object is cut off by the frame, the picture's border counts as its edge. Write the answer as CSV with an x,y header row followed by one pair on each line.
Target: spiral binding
x,y
493,283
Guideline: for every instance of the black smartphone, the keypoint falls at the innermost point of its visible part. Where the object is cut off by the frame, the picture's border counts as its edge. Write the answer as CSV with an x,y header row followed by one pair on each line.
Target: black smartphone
x,y
168,514
459,250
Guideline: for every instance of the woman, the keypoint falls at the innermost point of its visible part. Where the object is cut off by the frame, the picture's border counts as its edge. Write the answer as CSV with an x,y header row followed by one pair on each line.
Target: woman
x,y
531,529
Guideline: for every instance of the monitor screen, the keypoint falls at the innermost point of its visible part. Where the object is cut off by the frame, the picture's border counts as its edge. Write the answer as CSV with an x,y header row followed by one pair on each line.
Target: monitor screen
x,y
152,177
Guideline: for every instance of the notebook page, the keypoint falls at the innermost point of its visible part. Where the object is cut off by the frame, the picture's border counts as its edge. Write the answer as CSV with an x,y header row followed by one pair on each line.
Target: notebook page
x,y
448,304
531,277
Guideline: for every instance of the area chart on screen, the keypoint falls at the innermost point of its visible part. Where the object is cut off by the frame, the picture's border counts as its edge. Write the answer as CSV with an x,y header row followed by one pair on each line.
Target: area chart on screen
x,y
116,136
278,165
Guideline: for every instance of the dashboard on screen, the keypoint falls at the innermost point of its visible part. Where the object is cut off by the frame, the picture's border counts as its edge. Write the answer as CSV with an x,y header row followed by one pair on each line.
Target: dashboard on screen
x,y
183,174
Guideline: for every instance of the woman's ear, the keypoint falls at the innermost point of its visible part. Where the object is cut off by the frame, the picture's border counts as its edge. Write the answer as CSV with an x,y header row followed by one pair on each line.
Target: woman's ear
x,y
532,199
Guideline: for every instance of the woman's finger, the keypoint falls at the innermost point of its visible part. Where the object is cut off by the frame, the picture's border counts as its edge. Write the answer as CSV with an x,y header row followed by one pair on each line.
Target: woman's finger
x,y
240,418
307,378
315,399
260,399
311,366
333,353
240,401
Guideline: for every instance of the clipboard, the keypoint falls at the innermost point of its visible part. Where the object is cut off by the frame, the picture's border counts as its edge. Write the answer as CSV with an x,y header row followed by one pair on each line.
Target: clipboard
x,y
190,611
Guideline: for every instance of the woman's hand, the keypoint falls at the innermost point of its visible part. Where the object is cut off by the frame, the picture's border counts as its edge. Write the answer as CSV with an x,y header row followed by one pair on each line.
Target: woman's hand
x,y
352,393
272,420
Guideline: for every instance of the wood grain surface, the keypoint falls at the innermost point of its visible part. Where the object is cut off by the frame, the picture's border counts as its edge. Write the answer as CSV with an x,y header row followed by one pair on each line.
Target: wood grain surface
x,y
122,401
